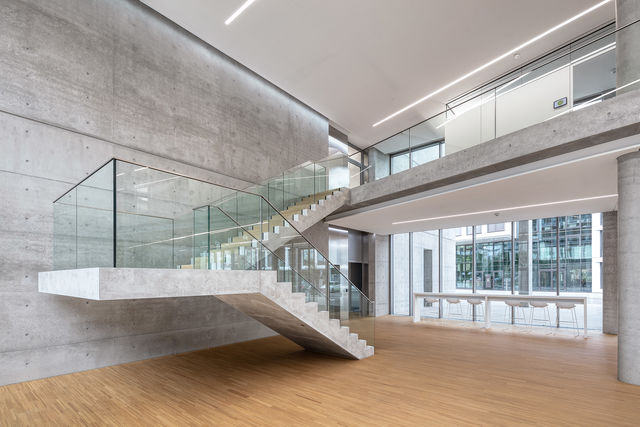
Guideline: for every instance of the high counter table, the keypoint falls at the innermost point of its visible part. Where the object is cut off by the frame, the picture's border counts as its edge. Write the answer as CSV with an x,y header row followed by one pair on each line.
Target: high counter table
x,y
420,296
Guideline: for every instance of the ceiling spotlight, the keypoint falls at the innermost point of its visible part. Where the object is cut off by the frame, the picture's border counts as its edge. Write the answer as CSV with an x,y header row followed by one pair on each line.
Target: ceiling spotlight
x,y
516,55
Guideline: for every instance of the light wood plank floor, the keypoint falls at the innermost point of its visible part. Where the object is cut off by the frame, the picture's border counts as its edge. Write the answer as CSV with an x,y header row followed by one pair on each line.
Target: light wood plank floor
x,y
422,374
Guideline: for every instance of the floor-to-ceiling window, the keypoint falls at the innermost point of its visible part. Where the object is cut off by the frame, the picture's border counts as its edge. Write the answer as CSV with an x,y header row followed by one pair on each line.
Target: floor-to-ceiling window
x,y
547,256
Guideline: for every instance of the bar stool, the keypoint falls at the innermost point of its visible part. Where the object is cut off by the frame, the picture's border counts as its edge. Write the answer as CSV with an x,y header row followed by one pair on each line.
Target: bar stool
x,y
514,304
545,307
572,309
432,300
475,302
454,301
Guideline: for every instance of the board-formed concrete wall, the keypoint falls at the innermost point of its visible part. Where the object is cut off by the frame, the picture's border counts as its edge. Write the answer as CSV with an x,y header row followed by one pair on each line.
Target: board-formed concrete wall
x,y
82,81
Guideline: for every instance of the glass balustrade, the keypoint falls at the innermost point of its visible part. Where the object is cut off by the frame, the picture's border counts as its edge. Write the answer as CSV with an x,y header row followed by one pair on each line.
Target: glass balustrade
x,y
128,215
572,77
568,79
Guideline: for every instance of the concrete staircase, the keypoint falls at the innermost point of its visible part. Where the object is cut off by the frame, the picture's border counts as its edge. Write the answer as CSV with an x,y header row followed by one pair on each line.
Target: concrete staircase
x,y
255,293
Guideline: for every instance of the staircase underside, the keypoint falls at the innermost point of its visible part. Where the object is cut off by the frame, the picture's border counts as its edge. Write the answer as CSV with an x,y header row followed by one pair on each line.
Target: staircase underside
x,y
255,293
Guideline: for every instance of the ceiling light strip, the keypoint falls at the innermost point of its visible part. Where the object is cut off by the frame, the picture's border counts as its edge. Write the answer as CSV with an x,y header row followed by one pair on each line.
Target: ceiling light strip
x,y
493,61
537,205
238,12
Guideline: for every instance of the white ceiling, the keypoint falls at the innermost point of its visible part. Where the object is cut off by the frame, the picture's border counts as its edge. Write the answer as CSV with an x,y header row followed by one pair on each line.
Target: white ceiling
x,y
357,61
580,182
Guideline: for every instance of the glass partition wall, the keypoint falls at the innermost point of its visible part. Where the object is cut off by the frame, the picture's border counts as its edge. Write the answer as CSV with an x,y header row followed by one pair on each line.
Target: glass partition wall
x,y
547,256
129,215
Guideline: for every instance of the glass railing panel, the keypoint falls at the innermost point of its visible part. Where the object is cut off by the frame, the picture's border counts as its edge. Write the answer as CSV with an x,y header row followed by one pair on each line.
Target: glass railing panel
x,y
535,99
311,273
201,237
298,184
565,80
338,295
64,232
184,239
160,222
145,216
275,192
425,140
321,179
94,219
249,215
332,174
232,246
361,315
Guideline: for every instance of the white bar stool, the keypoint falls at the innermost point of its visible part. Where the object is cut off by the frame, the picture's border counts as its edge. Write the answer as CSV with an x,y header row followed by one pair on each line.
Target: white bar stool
x,y
545,307
514,304
432,300
475,302
574,317
456,302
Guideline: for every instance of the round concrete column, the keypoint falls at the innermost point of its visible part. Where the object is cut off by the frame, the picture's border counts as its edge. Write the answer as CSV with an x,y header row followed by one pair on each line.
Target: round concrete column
x,y
629,268
627,44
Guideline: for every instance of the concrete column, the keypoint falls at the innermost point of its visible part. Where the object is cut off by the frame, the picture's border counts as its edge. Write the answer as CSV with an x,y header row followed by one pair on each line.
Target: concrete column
x,y
629,268
627,44
525,280
610,272
379,272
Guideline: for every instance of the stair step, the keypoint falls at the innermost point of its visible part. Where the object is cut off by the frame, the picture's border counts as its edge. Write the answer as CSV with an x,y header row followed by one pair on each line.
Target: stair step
x,y
311,309
323,316
298,299
283,290
353,339
368,351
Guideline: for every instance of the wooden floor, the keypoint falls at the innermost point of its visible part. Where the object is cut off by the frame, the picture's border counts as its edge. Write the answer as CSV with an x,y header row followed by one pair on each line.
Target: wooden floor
x,y
422,374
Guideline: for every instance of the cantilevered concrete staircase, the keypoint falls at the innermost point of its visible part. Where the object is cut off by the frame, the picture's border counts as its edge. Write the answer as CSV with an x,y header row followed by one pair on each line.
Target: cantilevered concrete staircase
x,y
255,293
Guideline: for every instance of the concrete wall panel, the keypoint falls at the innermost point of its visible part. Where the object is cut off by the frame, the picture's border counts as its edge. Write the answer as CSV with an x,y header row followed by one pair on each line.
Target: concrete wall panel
x,y
87,80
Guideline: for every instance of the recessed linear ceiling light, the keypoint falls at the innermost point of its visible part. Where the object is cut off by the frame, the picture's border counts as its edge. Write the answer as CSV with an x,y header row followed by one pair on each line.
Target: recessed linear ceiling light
x,y
238,12
493,61
537,205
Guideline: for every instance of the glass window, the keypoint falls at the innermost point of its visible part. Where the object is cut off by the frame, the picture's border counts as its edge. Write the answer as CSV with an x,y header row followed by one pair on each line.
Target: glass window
x,y
399,162
423,155
494,228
